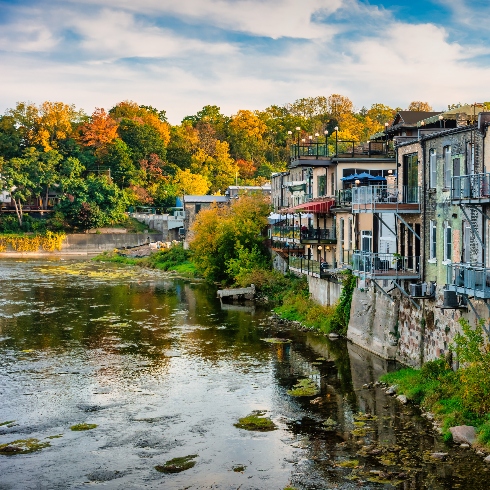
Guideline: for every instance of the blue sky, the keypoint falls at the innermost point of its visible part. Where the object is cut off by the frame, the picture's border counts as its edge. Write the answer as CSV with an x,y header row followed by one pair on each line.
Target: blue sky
x,y
180,55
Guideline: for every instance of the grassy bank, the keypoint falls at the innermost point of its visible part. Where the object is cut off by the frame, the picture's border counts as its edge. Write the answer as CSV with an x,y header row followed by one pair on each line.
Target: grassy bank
x,y
459,397
174,259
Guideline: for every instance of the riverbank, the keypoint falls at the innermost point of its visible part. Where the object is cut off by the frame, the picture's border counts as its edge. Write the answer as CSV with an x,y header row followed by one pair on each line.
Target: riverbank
x,y
453,397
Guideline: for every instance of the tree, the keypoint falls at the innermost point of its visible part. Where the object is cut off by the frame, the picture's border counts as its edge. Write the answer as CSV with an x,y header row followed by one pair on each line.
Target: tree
x,y
220,233
117,157
28,176
142,114
10,138
418,105
93,202
142,139
245,135
381,114
186,182
99,132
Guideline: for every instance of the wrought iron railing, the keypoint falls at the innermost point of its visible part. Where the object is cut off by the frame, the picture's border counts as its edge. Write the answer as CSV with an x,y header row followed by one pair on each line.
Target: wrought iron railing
x,y
318,233
476,186
311,267
343,198
285,232
341,148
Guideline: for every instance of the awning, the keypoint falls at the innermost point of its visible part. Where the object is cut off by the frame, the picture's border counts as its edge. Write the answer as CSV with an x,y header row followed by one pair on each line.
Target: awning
x,y
319,207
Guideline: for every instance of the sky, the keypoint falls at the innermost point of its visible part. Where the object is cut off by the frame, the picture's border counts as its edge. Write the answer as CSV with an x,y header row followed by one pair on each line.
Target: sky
x,y
180,55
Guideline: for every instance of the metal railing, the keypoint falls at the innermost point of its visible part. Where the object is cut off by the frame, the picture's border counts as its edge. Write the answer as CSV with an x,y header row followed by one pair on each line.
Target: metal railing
x,y
472,279
340,148
346,258
476,186
370,197
285,232
318,233
343,198
311,267
385,264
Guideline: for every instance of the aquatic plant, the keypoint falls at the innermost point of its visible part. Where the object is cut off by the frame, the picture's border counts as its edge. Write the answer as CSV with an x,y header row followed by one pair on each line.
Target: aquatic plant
x,y
22,446
256,421
305,387
79,427
176,465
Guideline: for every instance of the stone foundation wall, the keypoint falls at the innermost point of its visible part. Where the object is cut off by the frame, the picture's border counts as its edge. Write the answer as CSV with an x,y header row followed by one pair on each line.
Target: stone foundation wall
x,y
324,291
92,243
422,335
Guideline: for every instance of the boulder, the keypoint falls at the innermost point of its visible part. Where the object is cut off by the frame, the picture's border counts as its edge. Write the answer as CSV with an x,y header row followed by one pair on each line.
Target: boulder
x,y
487,459
402,399
440,456
391,390
463,434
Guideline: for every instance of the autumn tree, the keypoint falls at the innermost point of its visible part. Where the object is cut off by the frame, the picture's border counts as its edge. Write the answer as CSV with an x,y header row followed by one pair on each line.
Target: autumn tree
x,y
220,234
188,183
418,105
99,132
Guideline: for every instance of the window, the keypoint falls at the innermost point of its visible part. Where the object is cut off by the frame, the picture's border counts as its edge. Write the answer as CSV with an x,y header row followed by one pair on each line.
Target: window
x,y
349,234
322,185
447,167
448,242
432,169
433,240
332,184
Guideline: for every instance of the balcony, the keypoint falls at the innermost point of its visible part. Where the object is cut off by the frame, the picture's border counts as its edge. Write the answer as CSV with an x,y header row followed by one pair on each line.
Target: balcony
x,y
385,198
311,267
471,189
470,279
370,265
286,234
344,198
318,235
340,149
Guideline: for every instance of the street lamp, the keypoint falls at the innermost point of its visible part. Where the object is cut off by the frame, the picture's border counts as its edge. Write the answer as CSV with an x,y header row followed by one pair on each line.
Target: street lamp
x,y
441,118
298,129
326,142
336,140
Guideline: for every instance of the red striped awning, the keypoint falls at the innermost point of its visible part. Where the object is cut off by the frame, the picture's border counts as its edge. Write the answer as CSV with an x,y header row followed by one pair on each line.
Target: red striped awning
x,y
320,207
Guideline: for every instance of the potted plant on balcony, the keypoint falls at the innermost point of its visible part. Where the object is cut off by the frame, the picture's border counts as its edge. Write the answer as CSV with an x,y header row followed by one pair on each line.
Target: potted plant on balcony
x,y
396,260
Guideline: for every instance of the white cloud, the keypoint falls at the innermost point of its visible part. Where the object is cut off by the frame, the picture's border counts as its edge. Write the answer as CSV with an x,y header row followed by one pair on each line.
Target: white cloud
x,y
117,53
269,18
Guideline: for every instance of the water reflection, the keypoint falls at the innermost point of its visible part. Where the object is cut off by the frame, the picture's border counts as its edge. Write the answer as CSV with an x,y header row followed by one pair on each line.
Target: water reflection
x,y
165,371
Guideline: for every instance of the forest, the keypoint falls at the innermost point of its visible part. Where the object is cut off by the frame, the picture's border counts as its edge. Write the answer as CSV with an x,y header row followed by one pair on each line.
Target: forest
x,y
87,169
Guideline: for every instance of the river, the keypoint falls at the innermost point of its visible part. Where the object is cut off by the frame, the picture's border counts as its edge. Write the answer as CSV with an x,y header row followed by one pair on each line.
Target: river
x,y
163,371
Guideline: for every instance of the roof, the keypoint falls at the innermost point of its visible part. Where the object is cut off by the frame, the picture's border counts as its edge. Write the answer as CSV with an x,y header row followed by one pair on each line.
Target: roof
x,y
412,117
250,187
321,206
190,199
469,109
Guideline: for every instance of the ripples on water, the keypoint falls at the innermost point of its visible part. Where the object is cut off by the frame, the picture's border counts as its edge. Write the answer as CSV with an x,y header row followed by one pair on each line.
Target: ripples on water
x,y
165,372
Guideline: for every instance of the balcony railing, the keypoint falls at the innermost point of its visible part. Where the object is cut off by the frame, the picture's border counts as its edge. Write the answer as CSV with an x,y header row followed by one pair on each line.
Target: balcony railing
x,y
286,233
341,148
346,258
470,279
311,267
385,265
378,198
470,188
318,234
343,198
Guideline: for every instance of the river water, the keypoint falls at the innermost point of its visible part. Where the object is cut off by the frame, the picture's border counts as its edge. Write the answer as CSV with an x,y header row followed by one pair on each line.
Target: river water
x,y
164,371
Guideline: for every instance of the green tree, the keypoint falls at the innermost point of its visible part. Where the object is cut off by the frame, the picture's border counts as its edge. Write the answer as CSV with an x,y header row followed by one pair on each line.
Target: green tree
x,y
221,234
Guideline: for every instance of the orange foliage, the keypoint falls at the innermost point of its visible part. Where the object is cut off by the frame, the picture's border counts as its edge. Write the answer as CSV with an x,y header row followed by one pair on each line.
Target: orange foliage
x,y
99,132
246,169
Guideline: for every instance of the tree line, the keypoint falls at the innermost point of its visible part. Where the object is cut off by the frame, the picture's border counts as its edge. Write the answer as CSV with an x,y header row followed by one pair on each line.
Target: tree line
x,y
98,165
